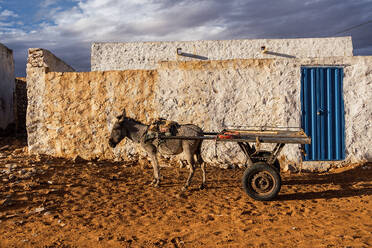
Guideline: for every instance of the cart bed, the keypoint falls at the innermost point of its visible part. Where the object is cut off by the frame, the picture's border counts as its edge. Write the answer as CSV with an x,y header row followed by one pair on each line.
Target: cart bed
x,y
252,135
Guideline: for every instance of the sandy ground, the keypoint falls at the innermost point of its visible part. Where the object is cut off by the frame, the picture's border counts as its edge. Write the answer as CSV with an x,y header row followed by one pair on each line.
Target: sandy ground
x,y
49,202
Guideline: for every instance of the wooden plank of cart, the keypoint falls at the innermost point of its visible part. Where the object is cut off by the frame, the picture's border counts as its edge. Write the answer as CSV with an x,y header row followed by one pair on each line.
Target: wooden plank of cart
x,y
261,179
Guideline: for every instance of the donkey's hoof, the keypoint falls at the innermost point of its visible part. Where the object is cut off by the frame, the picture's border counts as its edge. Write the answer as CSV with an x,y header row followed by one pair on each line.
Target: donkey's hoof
x,y
181,194
202,186
184,188
155,183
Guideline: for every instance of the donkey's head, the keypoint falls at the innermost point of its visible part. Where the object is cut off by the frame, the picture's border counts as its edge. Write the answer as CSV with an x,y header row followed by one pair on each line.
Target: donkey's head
x,y
119,131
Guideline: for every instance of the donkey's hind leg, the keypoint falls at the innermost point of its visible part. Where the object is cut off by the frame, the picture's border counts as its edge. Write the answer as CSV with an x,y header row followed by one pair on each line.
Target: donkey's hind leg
x,y
202,166
201,162
191,166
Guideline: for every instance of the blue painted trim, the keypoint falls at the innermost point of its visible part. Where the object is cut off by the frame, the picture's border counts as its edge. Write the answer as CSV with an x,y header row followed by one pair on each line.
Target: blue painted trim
x,y
343,155
314,142
337,116
329,114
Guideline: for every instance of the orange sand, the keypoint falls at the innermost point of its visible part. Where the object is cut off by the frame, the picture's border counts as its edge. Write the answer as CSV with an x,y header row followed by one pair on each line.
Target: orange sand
x,y
102,204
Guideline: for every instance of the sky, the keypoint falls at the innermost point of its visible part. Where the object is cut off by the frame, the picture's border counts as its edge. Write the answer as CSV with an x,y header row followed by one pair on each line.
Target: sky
x,y
68,27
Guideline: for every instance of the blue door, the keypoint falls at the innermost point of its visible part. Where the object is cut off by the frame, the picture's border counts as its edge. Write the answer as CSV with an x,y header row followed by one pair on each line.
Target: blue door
x,y
323,113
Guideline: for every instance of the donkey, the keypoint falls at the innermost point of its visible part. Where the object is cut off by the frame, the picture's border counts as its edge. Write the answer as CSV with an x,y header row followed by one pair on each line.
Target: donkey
x,y
136,131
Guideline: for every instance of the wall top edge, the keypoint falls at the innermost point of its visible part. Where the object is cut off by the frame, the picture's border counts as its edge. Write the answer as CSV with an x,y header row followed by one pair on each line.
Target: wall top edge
x,y
2,46
334,61
320,60
103,72
264,39
40,57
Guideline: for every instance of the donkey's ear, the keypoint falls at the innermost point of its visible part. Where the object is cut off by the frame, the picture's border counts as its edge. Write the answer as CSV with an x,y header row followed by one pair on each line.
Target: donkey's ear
x,y
124,114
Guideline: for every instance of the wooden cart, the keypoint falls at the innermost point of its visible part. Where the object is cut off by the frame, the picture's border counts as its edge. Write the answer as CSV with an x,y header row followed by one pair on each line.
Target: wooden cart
x,y
261,179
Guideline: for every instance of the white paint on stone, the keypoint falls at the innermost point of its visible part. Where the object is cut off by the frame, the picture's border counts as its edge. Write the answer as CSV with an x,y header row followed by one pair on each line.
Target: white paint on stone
x,y
146,55
236,93
357,93
6,86
218,94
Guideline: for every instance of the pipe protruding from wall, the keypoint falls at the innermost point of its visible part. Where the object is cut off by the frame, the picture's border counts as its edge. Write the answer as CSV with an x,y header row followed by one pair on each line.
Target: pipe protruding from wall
x,y
263,49
179,51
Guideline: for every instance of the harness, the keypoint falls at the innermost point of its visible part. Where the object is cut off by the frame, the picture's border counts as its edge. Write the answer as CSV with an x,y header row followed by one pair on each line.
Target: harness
x,y
159,129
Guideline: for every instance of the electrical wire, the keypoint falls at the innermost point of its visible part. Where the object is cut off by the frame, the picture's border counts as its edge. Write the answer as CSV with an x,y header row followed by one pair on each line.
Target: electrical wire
x,y
353,27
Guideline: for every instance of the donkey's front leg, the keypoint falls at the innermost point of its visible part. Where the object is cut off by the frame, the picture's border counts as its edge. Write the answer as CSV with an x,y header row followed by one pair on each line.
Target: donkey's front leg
x,y
152,151
155,166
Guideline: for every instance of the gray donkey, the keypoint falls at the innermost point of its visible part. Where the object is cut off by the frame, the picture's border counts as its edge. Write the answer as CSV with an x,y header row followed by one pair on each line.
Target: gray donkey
x,y
136,131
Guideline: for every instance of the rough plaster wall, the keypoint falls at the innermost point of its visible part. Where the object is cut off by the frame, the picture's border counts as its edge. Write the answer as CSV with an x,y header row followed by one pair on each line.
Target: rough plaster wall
x,y
217,94
358,108
42,58
6,86
240,93
39,62
146,55
78,120
212,94
357,92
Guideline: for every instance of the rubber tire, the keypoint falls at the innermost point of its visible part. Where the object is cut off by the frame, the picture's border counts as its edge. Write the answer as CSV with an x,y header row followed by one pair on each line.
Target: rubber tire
x,y
266,155
254,169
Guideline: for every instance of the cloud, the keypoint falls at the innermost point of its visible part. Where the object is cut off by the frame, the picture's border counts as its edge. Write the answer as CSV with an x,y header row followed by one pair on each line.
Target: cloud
x,y
133,20
69,31
6,21
5,14
47,3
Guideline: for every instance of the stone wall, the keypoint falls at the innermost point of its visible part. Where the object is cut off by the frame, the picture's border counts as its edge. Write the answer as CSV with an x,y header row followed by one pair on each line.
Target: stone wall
x,y
232,93
146,55
80,108
6,86
39,62
357,94
20,105
78,119
358,108
262,92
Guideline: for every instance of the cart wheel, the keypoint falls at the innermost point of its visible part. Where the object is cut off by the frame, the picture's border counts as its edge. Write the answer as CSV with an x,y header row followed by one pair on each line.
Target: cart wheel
x,y
261,181
264,156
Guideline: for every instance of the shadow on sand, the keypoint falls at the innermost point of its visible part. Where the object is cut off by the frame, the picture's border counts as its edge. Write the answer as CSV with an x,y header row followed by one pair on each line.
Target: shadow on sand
x,y
352,182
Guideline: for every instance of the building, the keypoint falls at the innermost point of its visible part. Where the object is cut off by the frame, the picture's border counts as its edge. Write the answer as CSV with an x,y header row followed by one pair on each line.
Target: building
x,y
6,87
316,84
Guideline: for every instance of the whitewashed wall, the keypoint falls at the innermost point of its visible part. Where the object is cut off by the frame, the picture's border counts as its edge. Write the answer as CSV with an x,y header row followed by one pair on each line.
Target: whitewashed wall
x,y
65,118
263,92
146,55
